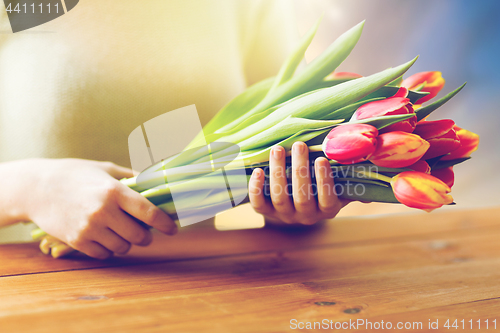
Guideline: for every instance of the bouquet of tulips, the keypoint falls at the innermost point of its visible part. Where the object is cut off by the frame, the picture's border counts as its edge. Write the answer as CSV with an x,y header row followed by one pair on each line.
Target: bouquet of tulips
x,y
372,129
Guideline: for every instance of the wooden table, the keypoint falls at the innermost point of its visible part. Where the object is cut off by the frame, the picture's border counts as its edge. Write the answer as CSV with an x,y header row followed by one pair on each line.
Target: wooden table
x,y
404,268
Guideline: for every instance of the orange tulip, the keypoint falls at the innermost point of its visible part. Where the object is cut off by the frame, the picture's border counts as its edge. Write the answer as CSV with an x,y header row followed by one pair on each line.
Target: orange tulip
x,y
350,143
390,106
468,144
441,136
445,174
419,190
398,149
431,82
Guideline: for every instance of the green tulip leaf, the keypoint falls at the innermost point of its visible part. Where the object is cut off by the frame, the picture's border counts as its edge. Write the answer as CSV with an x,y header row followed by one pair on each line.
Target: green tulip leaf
x,y
359,180
313,73
445,164
293,60
428,109
366,192
397,82
347,111
331,82
323,101
383,121
233,110
262,155
282,130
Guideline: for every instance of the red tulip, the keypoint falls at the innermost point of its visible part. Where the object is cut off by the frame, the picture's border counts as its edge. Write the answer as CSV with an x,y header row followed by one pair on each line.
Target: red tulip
x,y
440,134
398,149
350,143
386,107
402,92
419,190
431,82
468,144
421,166
446,175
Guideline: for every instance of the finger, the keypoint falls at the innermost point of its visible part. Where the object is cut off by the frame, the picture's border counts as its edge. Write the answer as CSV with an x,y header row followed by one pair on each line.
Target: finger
x,y
303,199
117,171
61,250
55,247
328,202
256,193
128,229
142,209
278,183
94,250
110,240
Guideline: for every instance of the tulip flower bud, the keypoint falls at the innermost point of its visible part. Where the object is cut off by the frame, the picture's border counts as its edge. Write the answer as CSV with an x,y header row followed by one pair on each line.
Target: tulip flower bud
x,y
421,166
446,175
386,107
419,190
441,136
398,149
468,144
350,143
431,82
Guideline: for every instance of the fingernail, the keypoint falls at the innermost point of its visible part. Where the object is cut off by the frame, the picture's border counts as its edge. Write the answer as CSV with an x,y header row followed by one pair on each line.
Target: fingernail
x,y
172,231
277,152
148,239
256,173
298,148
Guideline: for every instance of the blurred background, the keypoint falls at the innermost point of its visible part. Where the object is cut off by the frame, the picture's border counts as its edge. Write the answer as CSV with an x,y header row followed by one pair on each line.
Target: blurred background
x,y
460,38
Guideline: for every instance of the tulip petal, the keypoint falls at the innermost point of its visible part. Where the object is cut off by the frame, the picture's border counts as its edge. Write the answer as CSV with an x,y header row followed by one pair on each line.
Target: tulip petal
x,y
350,143
387,107
419,190
381,108
446,175
398,149
433,129
389,91
469,142
432,82
343,75
441,136
420,166
384,121
402,92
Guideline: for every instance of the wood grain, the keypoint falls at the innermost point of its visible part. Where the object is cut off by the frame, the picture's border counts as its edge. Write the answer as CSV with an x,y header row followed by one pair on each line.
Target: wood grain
x,y
207,242
400,268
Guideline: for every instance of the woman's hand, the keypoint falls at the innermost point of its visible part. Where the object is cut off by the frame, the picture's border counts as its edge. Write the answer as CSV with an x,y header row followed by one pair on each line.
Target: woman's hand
x,y
83,204
303,208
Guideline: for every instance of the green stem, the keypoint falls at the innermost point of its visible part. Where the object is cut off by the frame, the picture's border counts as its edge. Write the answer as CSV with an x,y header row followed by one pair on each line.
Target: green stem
x,y
375,175
37,234
316,148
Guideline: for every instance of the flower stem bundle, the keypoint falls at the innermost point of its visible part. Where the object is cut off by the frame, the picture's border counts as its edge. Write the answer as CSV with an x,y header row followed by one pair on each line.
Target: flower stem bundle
x,y
373,129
